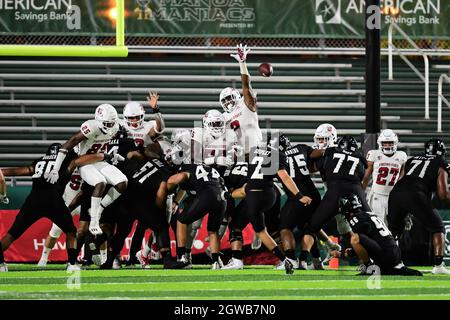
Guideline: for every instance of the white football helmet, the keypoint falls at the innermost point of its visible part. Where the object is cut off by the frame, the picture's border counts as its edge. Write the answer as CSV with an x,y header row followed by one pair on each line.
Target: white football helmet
x,y
106,118
214,123
325,136
180,150
229,98
387,142
132,111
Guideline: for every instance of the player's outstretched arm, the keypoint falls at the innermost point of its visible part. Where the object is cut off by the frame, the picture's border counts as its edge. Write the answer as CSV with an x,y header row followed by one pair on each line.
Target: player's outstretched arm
x,y
292,187
53,175
152,99
93,158
12,172
176,179
247,91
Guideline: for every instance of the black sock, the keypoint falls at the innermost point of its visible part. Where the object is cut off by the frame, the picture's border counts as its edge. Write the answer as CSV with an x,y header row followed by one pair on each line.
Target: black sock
x,y
180,252
72,255
237,254
215,257
277,251
80,243
188,251
2,258
303,255
315,253
290,254
438,260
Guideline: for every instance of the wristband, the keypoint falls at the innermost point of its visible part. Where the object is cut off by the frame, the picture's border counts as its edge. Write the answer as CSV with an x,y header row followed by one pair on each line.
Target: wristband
x,y
299,195
155,110
107,157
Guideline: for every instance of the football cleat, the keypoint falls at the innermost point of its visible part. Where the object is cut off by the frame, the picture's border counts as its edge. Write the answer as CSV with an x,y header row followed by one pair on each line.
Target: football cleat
x,y
3,267
216,266
154,252
185,262
440,269
256,243
116,264
144,261
302,265
280,266
234,264
317,264
288,266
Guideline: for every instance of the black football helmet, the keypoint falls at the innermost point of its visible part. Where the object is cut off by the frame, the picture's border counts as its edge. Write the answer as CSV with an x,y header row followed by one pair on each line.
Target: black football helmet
x,y
53,149
435,147
347,143
284,141
349,204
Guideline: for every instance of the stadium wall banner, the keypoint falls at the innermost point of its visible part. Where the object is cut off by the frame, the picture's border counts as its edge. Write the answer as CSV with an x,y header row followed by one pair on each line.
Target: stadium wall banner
x,y
28,248
426,19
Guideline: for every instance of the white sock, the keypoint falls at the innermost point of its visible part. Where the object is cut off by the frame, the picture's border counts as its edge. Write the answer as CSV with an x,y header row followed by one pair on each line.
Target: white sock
x,y
103,252
95,208
146,250
45,253
110,197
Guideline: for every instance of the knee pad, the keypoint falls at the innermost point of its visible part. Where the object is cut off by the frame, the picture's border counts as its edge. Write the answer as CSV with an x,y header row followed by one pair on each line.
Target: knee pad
x,y
55,231
236,235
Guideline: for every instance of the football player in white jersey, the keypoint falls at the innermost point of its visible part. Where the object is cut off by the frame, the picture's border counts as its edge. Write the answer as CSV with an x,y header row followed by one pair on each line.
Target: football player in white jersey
x,y
143,132
94,137
214,144
325,136
386,166
241,112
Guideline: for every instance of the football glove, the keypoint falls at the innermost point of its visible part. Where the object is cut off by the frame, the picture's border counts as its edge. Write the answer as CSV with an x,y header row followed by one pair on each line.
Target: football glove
x,y
113,159
4,199
241,54
52,176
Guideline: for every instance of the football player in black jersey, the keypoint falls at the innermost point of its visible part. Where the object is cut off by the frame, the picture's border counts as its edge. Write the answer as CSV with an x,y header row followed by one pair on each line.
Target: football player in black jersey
x,y
145,201
235,177
206,190
294,214
265,163
342,168
371,240
46,199
424,175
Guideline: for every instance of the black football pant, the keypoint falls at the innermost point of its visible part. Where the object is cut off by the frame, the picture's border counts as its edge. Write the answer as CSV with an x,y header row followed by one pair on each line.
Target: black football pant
x,y
329,206
418,204
385,258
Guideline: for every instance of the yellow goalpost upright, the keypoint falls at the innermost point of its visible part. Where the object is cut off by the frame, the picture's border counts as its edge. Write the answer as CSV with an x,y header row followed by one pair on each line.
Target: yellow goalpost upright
x,y
119,50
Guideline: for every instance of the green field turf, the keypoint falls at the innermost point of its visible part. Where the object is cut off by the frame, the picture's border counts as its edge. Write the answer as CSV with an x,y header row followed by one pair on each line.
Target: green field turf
x,y
257,282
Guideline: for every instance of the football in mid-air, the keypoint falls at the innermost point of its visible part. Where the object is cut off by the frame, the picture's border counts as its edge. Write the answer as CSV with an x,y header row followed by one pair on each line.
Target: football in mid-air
x,y
265,69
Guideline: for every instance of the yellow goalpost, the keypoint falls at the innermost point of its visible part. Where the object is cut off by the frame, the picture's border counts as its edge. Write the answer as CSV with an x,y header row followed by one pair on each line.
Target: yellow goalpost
x,y
119,50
